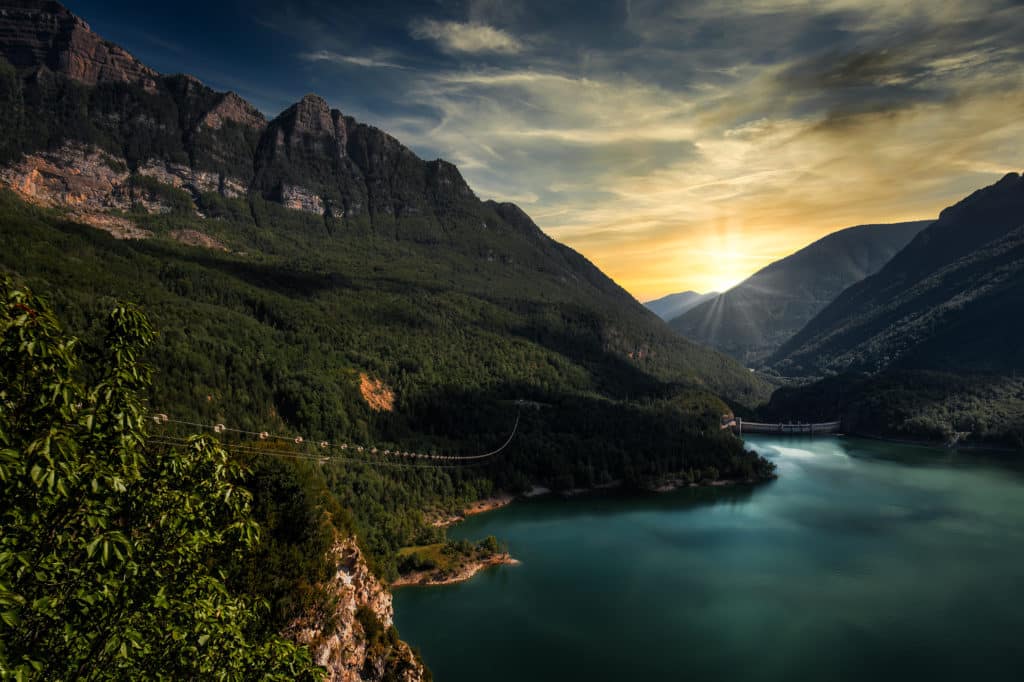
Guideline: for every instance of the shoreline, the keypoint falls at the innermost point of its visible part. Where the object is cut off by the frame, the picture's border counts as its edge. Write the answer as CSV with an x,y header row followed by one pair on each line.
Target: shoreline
x,y
478,507
672,485
503,500
939,445
919,442
429,578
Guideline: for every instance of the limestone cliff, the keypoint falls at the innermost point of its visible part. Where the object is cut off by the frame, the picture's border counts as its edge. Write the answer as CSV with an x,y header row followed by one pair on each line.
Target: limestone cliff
x,y
36,33
350,632
310,158
96,188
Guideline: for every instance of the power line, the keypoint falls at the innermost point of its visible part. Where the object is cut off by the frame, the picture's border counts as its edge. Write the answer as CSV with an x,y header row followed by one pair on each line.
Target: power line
x,y
163,419
321,459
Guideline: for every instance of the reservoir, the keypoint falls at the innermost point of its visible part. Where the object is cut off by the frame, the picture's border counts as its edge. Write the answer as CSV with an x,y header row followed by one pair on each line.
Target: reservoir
x,y
863,561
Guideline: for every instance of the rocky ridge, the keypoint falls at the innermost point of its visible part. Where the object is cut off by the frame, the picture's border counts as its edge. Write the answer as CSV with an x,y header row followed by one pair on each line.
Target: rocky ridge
x,y
336,632
95,186
45,34
310,158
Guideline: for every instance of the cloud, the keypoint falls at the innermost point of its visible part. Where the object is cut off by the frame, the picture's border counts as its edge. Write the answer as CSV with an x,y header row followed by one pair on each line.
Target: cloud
x,y
684,144
337,58
470,37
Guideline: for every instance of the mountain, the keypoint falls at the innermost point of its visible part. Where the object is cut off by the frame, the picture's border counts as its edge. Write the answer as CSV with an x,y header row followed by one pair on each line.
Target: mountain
x,y
94,132
674,305
949,301
309,274
929,347
751,320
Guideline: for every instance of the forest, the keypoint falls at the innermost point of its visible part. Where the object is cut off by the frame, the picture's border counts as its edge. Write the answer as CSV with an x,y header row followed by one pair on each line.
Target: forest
x,y
275,334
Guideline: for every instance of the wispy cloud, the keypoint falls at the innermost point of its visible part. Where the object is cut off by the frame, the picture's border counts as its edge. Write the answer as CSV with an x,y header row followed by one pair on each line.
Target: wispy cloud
x,y
346,59
683,144
468,37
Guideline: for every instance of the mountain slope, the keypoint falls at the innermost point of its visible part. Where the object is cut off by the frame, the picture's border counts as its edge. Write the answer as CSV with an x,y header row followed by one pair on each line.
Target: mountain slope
x,y
755,317
949,301
96,133
674,305
290,264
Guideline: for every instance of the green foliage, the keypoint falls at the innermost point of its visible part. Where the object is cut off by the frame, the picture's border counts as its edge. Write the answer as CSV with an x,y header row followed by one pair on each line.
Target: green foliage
x,y
109,547
445,559
178,200
277,336
912,404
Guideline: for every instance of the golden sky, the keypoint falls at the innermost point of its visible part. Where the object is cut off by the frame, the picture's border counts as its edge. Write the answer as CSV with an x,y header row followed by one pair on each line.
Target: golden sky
x,y
710,157
679,144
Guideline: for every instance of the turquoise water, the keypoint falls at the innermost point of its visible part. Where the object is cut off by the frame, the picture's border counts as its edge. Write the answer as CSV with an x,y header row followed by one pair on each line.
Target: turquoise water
x,y
864,561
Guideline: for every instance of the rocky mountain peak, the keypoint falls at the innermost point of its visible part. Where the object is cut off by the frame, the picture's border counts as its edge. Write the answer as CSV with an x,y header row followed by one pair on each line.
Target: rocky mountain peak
x,y
445,178
309,120
310,114
231,107
38,33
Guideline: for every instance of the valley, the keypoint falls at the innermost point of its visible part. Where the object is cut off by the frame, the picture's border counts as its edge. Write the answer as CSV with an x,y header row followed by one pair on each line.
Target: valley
x,y
264,362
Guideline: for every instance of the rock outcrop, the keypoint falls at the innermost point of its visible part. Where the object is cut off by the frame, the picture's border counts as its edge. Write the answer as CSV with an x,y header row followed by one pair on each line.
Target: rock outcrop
x,y
181,176
347,632
42,33
90,183
231,107
310,158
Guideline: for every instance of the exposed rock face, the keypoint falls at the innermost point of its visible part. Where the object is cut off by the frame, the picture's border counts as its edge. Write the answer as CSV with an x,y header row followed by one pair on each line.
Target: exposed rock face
x,y
302,161
310,158
87,182
90,183
301,199
82,177
74,175
34,33
335,635
231,107
181,176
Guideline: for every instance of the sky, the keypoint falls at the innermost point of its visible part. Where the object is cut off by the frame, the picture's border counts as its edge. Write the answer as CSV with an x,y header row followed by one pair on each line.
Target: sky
x,y
678,144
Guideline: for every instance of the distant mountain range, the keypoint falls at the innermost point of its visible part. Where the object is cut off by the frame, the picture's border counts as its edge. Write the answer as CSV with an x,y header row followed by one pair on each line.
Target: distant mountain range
x,y
674,305
751,320
952,300
930,346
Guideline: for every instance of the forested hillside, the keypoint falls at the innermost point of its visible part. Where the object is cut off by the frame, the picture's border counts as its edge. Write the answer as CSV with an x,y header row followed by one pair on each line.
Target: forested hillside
x,y
310,275
949,301
751,320
929,347
277,303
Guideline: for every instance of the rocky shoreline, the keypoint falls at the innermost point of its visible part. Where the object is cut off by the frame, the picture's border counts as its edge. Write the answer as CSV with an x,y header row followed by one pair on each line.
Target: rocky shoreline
x,y
479,507
461,575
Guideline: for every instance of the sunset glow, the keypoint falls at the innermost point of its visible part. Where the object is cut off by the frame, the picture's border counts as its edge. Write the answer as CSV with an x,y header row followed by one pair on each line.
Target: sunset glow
x,y
679,145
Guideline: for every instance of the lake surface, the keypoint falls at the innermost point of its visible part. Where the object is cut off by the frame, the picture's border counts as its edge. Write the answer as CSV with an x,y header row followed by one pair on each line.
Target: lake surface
x,y
864,561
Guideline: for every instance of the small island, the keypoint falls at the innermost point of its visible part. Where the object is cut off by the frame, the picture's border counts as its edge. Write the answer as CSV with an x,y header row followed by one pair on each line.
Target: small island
x,y
449,562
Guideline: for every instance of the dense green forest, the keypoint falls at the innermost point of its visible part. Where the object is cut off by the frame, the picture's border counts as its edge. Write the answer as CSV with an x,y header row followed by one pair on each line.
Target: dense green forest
x,y
115,553
465,312
931,406
276,339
